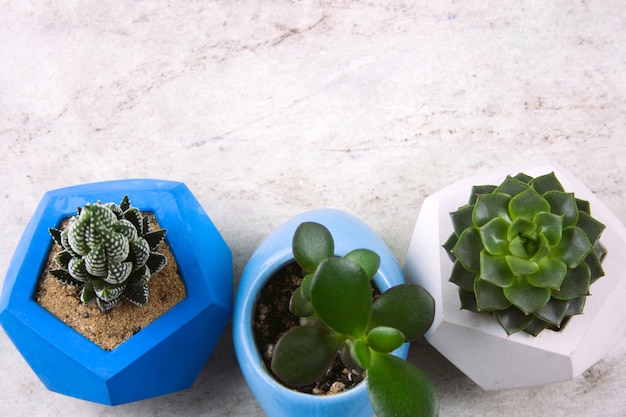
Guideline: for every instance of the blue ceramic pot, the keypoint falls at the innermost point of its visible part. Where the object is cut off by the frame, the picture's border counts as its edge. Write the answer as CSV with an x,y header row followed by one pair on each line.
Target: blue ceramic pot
x,y
274,253
165,356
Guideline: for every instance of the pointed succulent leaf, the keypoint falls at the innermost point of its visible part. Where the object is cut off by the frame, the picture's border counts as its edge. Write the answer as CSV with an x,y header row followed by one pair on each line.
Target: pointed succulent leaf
x,y
140,252
591,227
478,190
527,203
406,307
56,235
511,186
87,294
65,278
467,249
553,312
117,272
125,203
76,234
489,297
397,388
538,248
526,179
536,327
549,225
520,266
298,305
573,247
462,277
62,259
126,228
312,243
304,354
106,305
367,259
576,305
495,270
385,339
563,204
462,219
134,216
156,262
513,320
490,206
550,274
575,284
595,266
341,295
521,227
136,294
494,236
517,247
96,262
468,301
139,276
449,244
115,244
155,238
362,354
583,205
547,182
108,292
77,269
526,297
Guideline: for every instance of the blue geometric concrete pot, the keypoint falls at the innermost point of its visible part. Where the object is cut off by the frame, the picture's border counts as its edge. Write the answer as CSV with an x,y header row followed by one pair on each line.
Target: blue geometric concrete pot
x,y
165,356
275,252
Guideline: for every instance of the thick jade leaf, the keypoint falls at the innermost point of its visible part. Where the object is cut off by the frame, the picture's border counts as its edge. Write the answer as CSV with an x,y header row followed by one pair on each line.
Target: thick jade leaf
x,y
312,243
478,190
575,284
303,354
511,186
513,320
362,354
550,274
547,182
490,206
468,300
592,227
494,236
495,270
305,286
298,305
573,247
398,389
341,295
385,339
461,219
549,225
406,307
467,249
553,312
527,204
521,227
462,277
520,266
526,297
367,259
489,297
563,204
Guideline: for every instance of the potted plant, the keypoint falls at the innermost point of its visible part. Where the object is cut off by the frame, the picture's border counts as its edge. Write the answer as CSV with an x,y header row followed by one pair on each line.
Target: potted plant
x,y
161,358
510,257
334,302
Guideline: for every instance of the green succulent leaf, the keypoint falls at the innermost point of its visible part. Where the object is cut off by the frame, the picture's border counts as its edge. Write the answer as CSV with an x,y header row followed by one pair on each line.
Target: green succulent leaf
x,y
462,277
397,388
96,261
550,274
87,294
513,320
553,312
563,204
595,266
526,297
527,203
536,327
126,229
576,305
77,269
367,259
137,294
489,297
140,251
494,236
521,227
575,284
478,190
495,270
406,307
511,186
134,216
56,235
156,262
526,179
490,206
347,354
341,296
312,243
117,272
385,339
573,247
298,305
305,286
303,354
462,219
362,353
108,292
591,227
547,182
550,226
520,266
467,249
468,301
65,278
155,238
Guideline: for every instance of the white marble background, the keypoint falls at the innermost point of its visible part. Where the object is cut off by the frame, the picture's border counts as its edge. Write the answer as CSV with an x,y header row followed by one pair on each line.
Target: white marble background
x,y
268,108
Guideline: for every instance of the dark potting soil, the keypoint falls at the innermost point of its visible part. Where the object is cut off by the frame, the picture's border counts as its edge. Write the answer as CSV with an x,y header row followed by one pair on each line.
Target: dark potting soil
x,y
272,319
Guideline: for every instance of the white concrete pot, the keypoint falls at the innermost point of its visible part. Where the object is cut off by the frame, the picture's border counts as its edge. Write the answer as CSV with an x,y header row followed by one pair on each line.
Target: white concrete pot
x,y
476,343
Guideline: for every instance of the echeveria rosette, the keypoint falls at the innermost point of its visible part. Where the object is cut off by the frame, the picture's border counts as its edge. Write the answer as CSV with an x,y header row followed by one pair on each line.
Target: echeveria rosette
x,y
109,252
339,316
525,251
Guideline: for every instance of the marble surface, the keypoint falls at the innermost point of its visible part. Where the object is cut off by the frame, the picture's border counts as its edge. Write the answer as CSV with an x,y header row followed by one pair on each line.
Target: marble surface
x,y
268,109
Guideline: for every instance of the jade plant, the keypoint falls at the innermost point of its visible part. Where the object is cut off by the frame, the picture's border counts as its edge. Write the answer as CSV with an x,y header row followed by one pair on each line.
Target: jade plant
x,y
525,251
339,316
109,252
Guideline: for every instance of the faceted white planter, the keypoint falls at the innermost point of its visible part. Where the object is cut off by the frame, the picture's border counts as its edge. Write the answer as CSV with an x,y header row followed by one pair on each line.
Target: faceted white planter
x,y
476,343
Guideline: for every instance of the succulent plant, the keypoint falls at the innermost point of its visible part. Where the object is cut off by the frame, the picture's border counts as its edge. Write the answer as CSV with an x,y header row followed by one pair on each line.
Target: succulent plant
x,y
526,252
338,316
109,252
